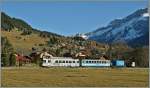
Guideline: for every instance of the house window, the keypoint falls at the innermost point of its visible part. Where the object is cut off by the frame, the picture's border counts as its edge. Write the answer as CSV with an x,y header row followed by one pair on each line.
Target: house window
x,y
47,57
44,61
49,61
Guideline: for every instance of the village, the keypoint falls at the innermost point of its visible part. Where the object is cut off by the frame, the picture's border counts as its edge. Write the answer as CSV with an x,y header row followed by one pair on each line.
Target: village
x,y
43,58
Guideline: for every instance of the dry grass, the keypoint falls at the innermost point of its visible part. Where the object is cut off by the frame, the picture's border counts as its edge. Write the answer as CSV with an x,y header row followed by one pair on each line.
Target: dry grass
x,y
72,77
26,42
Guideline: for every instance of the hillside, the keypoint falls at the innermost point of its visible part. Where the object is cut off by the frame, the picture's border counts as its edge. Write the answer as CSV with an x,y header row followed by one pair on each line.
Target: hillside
x,y
24,43
24,38
133,30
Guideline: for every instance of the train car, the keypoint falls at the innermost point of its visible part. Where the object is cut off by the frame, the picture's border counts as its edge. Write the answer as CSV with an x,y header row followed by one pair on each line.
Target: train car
x,y
60,61
95,63
70,62
118,63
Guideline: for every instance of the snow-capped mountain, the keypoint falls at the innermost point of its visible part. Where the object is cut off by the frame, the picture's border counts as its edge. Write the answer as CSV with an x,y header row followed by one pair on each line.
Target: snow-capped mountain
x,y
133,29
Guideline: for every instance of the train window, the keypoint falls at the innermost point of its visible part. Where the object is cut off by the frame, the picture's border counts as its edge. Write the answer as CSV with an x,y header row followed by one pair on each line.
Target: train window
x,y
60,61
63,62
103,62
44,61
56,61
66,61
95,61
90,61
49,61
87,61
77,61
73,61
70,61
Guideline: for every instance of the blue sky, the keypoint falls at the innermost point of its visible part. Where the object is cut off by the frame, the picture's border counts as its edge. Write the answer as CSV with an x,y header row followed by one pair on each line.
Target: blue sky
x,y
68,18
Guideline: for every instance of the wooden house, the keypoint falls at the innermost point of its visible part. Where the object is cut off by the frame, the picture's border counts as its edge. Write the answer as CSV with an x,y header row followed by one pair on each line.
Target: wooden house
x,y
21,60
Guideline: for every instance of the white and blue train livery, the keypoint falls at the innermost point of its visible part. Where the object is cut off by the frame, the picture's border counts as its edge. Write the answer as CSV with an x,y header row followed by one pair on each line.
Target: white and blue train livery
x,y
70,62
118,63
95,63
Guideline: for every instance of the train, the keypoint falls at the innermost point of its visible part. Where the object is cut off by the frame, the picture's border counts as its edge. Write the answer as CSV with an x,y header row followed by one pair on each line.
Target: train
x,y
71,62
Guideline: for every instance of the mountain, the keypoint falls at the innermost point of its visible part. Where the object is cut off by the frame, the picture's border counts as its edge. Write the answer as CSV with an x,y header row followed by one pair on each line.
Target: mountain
x,y
132,30
10,23
19,33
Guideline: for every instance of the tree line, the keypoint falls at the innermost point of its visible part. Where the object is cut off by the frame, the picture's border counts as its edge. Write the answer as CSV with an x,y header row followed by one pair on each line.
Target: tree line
x,y
7,55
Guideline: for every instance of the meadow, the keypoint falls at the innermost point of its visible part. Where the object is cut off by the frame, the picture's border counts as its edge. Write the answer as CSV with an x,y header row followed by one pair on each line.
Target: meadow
x,y
74,77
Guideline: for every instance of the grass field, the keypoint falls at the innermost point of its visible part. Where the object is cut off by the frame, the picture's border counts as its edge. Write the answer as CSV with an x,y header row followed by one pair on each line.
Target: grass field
x,y
73,77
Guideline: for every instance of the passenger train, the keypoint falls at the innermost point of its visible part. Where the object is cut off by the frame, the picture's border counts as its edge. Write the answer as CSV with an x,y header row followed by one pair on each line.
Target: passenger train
x,y
70,62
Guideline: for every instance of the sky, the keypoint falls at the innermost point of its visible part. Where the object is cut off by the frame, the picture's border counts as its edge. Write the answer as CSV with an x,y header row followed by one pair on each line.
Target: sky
x,y
69,18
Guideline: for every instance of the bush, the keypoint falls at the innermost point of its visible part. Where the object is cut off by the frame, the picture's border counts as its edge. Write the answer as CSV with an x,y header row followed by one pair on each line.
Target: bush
x,y
26,32
41,44
4,59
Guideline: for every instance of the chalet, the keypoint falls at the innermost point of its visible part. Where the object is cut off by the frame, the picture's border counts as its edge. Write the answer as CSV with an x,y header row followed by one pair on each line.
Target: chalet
x,y
104,57
20,59
45,55
83,36
81,55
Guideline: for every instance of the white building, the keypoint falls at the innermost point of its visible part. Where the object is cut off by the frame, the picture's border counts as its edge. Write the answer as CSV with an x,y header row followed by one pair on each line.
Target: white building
x,y
82,36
